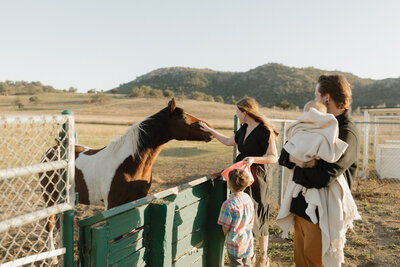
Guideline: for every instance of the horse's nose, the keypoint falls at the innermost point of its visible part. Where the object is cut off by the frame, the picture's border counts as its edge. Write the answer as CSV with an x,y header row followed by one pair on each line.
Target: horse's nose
x,y
208,137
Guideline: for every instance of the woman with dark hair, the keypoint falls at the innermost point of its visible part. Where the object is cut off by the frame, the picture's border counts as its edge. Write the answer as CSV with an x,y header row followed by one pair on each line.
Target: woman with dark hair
x,y
335,93
256,143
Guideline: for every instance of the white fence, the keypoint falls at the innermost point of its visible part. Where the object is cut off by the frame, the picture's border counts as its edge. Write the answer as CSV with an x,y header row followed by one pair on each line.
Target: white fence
x,y
24,178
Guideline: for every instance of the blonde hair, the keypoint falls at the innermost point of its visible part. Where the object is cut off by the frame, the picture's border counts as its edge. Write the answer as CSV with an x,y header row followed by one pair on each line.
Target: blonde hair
x,y
315,104
238,179
250,106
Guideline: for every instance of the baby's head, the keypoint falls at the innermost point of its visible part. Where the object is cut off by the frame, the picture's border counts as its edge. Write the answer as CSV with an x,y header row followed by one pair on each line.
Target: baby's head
x,y
238,180
315,104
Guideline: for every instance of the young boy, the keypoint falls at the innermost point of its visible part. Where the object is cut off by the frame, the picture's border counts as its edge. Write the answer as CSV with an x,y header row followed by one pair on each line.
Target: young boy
x,y
236,218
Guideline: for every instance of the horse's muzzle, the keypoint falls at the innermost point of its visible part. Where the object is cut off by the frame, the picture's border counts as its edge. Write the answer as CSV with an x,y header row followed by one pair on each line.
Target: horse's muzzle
x,y
207,137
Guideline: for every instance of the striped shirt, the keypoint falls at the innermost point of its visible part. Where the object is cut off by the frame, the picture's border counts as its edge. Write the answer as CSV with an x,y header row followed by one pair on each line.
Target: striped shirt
x,y
237,215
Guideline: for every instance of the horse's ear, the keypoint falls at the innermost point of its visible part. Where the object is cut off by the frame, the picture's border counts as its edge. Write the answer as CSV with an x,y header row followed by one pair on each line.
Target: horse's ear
x,y
172,105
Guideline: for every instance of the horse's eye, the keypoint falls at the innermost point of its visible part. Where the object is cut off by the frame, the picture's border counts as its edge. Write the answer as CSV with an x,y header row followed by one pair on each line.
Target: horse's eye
x,y
184,117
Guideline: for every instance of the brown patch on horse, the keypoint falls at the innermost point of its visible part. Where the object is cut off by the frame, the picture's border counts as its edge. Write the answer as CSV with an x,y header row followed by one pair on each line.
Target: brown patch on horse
x,y
81,187
132,179
79,149
92,151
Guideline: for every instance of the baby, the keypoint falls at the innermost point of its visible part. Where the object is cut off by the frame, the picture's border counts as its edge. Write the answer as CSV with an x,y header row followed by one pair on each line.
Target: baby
x,y
313,136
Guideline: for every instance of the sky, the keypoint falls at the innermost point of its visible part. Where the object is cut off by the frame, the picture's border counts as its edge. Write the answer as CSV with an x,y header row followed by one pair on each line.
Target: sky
x,y
99,44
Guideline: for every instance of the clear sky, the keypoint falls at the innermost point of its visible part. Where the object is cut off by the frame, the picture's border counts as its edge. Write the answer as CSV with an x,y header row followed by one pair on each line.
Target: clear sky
x,y
101,44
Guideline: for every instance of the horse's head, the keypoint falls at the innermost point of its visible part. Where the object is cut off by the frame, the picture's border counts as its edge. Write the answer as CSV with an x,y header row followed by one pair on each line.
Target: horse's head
x,y
183,126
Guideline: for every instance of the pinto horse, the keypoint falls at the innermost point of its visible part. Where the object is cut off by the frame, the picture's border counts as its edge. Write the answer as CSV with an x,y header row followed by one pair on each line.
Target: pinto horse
x,y
122,171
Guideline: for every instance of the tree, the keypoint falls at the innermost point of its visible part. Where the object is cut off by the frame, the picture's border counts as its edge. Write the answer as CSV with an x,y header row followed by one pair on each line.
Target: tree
x,y
155,93
17,102
92,91
135,92
114,91
219,99
286,105
168,93
4,88
72,89
99,99
34,99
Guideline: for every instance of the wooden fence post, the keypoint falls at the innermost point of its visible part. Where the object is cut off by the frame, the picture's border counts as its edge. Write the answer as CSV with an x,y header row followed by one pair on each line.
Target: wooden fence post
x,y
161,225
99,255
216,241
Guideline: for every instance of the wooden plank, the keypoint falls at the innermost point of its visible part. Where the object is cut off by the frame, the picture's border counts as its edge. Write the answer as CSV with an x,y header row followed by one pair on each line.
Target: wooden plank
x,y
138,258
215,249
116,211
127,246
85,241
189,219
188,242
128,221
188,224
162,214
195,209
191,195
194,257
100,249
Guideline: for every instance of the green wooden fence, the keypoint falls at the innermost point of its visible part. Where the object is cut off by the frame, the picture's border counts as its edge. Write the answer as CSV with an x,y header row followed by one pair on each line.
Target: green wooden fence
x,y
176,227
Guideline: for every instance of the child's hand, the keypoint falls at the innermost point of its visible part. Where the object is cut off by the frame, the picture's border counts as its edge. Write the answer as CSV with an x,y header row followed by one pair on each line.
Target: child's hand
x,y
249,160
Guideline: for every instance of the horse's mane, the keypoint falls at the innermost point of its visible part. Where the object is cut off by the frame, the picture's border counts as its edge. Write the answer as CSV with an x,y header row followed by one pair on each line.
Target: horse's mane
x,y
130,137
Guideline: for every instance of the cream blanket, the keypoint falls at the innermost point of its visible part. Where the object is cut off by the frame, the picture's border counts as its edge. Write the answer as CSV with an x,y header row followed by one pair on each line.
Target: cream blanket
x,y
315,135
334,222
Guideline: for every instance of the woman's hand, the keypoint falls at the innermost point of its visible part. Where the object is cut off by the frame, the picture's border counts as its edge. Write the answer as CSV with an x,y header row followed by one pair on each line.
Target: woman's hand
x,y
249,160
204,127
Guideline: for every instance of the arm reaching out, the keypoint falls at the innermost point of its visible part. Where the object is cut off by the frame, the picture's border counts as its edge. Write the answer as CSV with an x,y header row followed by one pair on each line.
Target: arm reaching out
x,y
229,141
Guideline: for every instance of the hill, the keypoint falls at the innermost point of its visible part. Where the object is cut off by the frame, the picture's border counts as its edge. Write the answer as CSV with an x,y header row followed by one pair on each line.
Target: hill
x,y
383,93
270,84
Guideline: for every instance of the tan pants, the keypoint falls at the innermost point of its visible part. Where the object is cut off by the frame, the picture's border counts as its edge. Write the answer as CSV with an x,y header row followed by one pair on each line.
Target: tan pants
x,y
307,242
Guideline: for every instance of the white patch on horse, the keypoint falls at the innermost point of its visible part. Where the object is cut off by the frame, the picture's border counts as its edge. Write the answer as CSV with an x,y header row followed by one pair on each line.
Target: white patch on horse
x,y
99,169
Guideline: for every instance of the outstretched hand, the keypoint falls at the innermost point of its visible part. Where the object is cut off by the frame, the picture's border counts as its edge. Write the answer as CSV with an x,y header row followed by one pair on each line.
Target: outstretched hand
x,y
204,127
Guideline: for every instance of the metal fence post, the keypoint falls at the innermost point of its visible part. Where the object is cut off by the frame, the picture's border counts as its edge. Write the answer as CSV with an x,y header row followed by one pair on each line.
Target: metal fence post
x,y
365,150
281,168
68,216
235,128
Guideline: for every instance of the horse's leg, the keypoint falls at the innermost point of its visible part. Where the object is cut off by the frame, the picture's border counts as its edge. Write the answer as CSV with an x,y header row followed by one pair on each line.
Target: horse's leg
x,y
48,181
50,229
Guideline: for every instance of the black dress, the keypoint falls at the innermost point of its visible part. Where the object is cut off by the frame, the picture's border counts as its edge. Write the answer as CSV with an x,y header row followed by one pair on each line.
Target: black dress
x,y
256,145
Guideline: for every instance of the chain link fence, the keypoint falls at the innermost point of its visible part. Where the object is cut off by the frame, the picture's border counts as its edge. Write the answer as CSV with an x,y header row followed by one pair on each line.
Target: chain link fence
x,y
34,187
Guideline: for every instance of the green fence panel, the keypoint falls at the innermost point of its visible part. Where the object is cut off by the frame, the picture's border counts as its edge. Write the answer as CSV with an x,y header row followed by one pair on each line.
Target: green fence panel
x,y
215,249
162,215
100,251
196,257
127,246
179,229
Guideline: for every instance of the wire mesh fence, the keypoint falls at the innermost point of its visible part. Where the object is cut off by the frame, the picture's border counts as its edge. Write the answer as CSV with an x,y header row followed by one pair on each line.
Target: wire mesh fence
x,y
379,156
36,168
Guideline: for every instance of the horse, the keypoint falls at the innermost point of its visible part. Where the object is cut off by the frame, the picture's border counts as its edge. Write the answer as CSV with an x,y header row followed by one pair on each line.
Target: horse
x,y
121,172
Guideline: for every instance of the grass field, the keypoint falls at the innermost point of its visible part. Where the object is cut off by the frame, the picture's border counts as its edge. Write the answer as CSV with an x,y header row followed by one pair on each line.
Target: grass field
x,y
374,242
